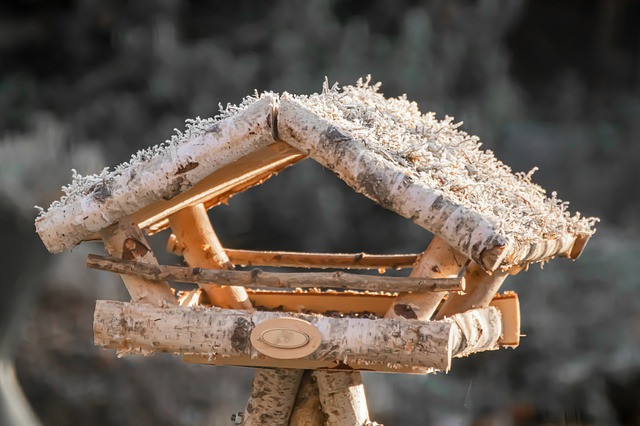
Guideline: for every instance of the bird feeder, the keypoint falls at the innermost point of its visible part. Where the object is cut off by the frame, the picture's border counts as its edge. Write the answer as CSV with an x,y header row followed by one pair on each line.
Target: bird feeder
x,y
308,334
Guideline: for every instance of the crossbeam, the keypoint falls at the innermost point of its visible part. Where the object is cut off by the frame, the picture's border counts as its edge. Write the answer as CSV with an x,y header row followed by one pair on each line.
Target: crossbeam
x,y
286,280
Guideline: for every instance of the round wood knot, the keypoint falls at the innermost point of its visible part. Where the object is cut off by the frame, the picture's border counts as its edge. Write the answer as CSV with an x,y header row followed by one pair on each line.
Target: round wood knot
x,y
285,338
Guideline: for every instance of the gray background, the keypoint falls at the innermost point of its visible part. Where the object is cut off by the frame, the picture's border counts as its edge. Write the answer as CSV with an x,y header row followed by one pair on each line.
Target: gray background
x,y
548,84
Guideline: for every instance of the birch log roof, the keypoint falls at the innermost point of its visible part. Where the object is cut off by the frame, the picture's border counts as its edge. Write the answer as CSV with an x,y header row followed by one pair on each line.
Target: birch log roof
x,y
420,167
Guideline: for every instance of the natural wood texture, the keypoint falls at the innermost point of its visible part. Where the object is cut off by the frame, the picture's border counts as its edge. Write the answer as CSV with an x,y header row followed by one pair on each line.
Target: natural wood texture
x,y
342,398
285,280
124,240
320,260
163,176
439,261
307,410
202,249
214,332
481,287
376,304
509,307
248,171
273,392
473,234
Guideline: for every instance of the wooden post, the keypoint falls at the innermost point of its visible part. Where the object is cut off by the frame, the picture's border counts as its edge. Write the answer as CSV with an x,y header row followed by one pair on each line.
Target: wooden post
x,y
342,398
439,260
125,240
258,278
273,392
481,287
307,410
202,248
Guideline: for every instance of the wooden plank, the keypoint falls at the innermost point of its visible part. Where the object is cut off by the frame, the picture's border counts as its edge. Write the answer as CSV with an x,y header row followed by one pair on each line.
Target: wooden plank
x,y
250,170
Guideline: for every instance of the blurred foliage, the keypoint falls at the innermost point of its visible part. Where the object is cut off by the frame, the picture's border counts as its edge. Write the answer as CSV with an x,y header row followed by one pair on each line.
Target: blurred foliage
x,y
548,84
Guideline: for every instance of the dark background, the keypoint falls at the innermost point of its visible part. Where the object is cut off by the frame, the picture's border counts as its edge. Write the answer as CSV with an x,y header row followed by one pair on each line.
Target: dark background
x,y
554,84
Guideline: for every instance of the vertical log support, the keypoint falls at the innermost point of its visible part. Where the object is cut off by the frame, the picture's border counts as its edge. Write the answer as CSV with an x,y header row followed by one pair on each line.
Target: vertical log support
x,y
125,240
439,260
273,392
193,231
307,410
342,398
480,289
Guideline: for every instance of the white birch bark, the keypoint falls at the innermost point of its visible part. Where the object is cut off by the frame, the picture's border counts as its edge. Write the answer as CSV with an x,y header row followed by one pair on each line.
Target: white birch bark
x,y
162,177
145,329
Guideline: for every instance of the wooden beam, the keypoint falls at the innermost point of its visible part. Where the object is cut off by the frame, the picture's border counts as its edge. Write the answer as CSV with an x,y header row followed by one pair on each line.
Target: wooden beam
x,y
481,287
202,249
272,396
320,260
285,280
138,328
124,240
439,261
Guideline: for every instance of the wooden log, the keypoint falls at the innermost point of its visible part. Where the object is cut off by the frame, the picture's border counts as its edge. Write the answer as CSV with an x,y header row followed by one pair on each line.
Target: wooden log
x,y
307,410
439,261
125,240
342,398
285,280
320,260
193,229
163,176
481,287
273,392
138,328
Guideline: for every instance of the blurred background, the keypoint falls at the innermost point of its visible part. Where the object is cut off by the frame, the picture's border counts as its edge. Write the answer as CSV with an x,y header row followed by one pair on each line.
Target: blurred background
x,y
553,84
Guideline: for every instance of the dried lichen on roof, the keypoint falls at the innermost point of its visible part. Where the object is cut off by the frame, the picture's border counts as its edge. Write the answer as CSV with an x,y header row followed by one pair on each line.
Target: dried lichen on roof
x,y
82,185
449,161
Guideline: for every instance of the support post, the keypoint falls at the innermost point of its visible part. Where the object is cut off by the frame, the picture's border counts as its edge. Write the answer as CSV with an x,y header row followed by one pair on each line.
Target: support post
x,y
480,289
307,410
439,260
273,392
342,398
125,240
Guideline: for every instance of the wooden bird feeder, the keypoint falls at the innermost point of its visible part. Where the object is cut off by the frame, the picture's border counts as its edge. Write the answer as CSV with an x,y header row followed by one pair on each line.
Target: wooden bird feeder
x,y
487,223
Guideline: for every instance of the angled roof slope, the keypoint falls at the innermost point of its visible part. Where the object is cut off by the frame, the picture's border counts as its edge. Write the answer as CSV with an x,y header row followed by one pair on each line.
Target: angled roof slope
x,y
420,167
